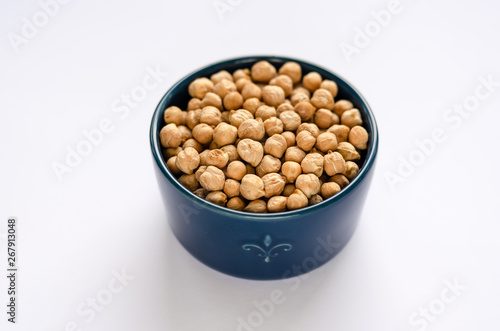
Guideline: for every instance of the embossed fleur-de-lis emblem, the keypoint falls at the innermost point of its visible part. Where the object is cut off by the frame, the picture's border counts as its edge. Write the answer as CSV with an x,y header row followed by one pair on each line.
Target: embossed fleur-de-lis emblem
x,y
267,251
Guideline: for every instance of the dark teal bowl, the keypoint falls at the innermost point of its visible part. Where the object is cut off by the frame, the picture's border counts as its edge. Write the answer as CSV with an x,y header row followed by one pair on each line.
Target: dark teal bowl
x,y
262,246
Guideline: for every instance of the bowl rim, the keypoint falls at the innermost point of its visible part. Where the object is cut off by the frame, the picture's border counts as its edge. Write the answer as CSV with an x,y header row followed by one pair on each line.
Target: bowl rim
x,y
157,153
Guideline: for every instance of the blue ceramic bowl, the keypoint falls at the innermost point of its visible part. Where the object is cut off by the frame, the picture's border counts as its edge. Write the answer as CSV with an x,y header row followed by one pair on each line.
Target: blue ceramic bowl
x,y
262,246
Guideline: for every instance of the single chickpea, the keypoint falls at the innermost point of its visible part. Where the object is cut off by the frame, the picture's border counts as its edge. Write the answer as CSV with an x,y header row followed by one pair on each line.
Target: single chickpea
x,y
201,192
211,99
331,86
189,181
188,160
273,95
294,154
326,141
236,203
224,134
223,87
358,137
265,112
341,106
174,115
351,170
315,199
301,89
217,197
172,151
170,136
231,152
297,200
312,164
210,115
193,118
309,184
252,104
212,179
250,151
291,120
289,137
340,179
263,71
233,100
256,206
340,131
322,99
194,104
217,158
223,74
173,167
273,184
305,110
324,118
199,87
283,107
236,170
185,133
305,140
351,118
289,189
292,70
334,163
240,83
203,133
267,165
275,145
299,97
204,156
231,188
236,117
276,204
241,73
273,125
291,170
311,127
283,81
348,151
329,189
201,169
250,90
312,81
252,187
252,129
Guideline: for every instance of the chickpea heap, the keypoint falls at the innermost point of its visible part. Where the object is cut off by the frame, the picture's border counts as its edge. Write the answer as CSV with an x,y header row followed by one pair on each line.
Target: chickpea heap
x,y
264,140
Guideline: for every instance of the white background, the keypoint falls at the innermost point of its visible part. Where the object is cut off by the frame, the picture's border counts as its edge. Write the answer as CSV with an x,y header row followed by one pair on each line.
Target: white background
x,y
440,223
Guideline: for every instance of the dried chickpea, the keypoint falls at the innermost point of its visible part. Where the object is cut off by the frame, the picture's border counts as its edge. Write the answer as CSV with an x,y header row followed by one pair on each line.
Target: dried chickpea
x,y
233,100
212,179
312,81
172,151
334,163
299,97
289,137
340,179
203,133
291,120
174,115
340,131
250,151
322,99
351,118
276,204
173,167
225,116
231,152
256,206
189,181
170,136
289,189
211,99
267,165
235,203
210,115
203,157
224,134
250,90
341,106
263,71
188,160
252,187
252,104
212,145
240,83
301,89
294,154
315,199
297,200
236,170
223,74
273,95
217,197
292,70
358,137
331,86
329,189
291,170
309,184
265,112
273,184
241,73
324,118
194,104
351,170
275,145
201,169
201,192
231,188
193,118
273,125
252,128
283,81
312,164
326,141
223,87
311,127
185,133
348,151
305,140
217,158
305,110
236,117
199,87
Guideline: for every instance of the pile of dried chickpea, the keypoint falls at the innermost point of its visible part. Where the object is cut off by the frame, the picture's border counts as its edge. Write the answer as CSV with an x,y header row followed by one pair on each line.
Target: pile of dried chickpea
x,y
261,140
